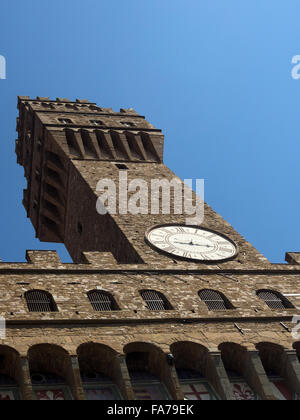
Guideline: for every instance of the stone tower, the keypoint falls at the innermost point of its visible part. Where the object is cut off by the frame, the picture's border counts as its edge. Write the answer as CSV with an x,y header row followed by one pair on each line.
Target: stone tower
x,y
151,308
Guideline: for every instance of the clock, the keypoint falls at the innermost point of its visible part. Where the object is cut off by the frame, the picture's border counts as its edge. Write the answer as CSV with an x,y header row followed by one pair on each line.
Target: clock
x,y
191,242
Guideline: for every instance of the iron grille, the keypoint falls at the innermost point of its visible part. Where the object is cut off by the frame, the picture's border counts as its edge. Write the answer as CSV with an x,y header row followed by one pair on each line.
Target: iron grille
x,y
39,301
154,300
102,301
214,300
272,299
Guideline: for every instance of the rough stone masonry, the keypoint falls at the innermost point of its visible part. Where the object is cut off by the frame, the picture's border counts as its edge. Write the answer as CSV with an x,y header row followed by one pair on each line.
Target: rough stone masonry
x,y
88,330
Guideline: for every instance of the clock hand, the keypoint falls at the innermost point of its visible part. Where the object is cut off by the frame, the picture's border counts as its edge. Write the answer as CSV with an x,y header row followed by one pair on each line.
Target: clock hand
x,y
207,246
192,243
195,244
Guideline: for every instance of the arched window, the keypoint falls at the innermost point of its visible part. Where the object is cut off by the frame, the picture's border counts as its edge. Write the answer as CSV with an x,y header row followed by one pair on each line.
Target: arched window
x,y
50,367
274,299
99,371
235,360
40,301
155,301
272,357
102,301
144,362
215,301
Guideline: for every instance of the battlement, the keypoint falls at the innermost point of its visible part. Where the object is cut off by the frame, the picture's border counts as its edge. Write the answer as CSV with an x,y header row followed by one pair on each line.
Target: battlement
x,y
66,105
49,260
292,257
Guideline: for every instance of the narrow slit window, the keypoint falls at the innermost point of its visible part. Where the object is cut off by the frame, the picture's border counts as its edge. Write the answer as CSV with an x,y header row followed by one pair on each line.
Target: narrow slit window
x,y
65,121
97,123
127,124
121,166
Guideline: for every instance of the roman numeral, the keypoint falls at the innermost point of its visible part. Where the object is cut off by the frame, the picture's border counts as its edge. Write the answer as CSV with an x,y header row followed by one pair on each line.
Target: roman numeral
x,y
187,255
223,249
170,249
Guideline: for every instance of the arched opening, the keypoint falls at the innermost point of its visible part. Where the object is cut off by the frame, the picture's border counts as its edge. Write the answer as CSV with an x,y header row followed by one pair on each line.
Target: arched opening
x,y
235,360
146,365
274,300
102,301
272,358
191,361
99,372
10,370
51,372
214,300
155,301
40,301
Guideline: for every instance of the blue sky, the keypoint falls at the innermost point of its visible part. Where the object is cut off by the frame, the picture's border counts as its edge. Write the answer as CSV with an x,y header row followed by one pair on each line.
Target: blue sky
x,y
214,75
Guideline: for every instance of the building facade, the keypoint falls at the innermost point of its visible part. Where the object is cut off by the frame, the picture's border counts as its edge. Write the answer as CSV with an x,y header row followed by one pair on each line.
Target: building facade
x,y
151,308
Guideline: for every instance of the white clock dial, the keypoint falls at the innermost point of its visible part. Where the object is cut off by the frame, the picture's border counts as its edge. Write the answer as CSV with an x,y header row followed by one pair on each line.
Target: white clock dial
x,y
191,243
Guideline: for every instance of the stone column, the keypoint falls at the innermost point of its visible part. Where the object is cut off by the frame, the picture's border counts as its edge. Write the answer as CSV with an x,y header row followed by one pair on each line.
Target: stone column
x,y
170,378
291,370
122,377
217,376
25,380
256,376
74,378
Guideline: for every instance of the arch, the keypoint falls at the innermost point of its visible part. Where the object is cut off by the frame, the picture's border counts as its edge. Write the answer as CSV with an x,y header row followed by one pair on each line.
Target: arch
x,y
102,300
148,370
100,371
190,355
10,373
40,301
271,356
235,358
214,300
274,362
51,372
192,365
96,357
142,346
155,301
274,299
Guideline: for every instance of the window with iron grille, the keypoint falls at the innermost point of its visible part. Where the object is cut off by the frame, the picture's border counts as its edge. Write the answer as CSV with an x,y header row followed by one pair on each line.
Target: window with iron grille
x,y
274,299
102,301
215,301
40,301
155,301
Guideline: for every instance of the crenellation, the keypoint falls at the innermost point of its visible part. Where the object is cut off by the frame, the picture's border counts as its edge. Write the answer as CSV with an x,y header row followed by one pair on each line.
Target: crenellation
x,y
292,258
43,258
99,259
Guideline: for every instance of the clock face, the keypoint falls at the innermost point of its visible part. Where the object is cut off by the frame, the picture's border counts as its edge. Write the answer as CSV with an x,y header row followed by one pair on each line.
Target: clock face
x,y
191,243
